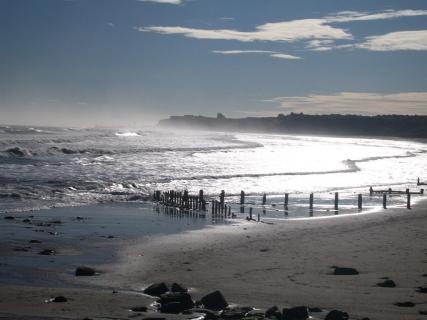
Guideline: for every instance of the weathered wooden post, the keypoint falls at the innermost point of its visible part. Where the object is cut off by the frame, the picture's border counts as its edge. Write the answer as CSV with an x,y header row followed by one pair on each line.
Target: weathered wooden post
x,y
229,211
359,201
259,217
385,200
212,207
250,213
221,197
336,201
422,191
407,191
225,210
408,201
371,191
242,197
286,200
264,199
201,196
185,199
311,201
390,190
158,195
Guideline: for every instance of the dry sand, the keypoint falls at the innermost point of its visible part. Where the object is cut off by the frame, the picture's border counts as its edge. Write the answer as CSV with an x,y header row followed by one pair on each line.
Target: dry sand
x,y
286,263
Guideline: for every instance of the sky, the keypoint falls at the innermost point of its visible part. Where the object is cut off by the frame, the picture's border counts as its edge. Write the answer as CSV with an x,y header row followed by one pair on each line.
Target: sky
x,y
133,62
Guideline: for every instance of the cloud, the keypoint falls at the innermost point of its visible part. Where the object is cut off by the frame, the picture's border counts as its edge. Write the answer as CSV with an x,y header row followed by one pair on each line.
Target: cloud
x,y
285,56
273,54
321,29
241,51
163,1
289,31
349,16
355,103
394,41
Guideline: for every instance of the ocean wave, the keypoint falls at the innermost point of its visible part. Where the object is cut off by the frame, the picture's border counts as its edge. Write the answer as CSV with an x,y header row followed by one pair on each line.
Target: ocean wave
x,y
127,134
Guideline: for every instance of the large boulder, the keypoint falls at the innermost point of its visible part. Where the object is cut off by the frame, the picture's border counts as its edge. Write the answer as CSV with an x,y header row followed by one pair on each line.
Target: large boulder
x,y
83,271
337,315
214,301
178,288
344,271
295,313
156,289
175,302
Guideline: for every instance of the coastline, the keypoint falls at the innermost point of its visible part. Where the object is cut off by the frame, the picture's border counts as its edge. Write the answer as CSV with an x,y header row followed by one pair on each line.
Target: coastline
x,y
286,263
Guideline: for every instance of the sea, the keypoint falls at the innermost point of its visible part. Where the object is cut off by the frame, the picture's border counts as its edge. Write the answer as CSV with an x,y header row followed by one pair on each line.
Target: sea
x,y
46,167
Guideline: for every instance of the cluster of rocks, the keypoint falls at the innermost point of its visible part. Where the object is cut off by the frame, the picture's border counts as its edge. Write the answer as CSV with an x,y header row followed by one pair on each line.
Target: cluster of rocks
x,y
213,306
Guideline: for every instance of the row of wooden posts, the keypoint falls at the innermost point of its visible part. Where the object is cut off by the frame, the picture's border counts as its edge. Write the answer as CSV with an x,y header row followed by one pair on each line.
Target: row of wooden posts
x,y
185,201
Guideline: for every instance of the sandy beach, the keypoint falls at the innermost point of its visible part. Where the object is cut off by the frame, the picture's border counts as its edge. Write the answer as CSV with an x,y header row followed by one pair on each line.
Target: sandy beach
x,y
284,263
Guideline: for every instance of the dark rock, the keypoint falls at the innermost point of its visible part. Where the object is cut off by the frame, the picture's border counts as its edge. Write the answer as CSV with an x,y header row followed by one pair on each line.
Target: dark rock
x,y
178,288
387,284
84,271
9,218
314,309
337,315
209,314
156,289
175,301
47,252
34,241
26,220
422,289
295,313
139,309
423,312
406,304
59,299
172,307
235,313
342,271
214,301
273,313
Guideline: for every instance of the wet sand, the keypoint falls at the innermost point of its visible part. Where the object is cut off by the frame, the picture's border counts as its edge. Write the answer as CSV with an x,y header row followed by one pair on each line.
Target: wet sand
x,y
286,263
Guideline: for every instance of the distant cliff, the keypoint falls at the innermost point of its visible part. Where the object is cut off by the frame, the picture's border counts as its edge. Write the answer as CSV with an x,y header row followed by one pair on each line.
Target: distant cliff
x,y
298,123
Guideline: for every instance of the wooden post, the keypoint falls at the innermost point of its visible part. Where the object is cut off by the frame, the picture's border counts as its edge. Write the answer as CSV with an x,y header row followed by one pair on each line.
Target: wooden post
x,y
385,200
408,201
212,207
229,211
259,217
407,191
264,199
311,201
359,201
336,201
250,213
242,197
371,191
286,200
422,191
389,190
222,196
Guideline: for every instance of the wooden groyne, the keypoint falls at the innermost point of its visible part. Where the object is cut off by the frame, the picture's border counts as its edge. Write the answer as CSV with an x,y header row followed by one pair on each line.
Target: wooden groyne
x,y
182,202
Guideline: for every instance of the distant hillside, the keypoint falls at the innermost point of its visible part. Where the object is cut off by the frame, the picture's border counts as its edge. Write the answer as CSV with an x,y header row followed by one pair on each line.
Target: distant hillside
x,y
333,124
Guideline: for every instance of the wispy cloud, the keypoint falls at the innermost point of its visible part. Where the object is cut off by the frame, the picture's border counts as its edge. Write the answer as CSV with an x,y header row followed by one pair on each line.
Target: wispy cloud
x,y
273,54
355,103
232,52
288,31
285,56
349,16
163,1
394,41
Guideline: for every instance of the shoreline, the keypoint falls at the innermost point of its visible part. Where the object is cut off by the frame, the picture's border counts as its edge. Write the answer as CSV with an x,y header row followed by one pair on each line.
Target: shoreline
x,y
292,267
